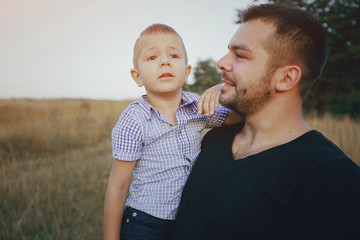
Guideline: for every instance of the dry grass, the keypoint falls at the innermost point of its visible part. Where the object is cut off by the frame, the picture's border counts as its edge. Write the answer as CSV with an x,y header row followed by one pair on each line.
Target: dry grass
x,y
55,197
52,126
55,158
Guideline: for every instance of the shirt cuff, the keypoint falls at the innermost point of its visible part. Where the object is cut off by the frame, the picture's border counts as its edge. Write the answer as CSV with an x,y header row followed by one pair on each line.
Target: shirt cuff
x,y
124,156
217,120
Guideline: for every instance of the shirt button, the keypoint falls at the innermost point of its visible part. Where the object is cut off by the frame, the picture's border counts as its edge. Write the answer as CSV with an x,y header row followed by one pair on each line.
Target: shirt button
x,y
179,133
187,168
134,214
127,220
183,154
170,125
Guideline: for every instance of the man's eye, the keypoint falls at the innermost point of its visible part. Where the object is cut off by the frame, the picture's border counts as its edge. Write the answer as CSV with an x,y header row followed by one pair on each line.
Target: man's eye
x,y
240,56
151,58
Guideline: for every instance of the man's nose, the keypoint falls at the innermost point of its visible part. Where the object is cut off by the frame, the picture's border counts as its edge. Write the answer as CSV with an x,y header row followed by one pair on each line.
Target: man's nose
x,y
223,64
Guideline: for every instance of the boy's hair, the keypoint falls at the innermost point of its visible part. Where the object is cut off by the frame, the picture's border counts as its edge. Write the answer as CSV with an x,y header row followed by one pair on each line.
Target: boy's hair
x,y
298,39
156,28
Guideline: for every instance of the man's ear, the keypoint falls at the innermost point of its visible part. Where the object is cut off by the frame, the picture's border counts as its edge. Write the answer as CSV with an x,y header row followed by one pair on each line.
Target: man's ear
x,y
187,72
136,76
288,77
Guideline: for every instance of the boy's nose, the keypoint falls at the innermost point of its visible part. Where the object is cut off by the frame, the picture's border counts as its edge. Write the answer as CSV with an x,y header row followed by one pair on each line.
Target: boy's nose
x,y
165,61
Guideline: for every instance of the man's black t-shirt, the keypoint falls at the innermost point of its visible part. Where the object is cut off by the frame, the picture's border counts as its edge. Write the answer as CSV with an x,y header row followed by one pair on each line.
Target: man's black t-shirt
x,y
304,189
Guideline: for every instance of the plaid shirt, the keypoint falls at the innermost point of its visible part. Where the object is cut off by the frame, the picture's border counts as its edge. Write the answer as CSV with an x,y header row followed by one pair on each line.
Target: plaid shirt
x,y
165,153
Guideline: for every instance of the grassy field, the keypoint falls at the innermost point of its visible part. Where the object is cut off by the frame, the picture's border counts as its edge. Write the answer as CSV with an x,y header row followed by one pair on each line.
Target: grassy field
x,y
55,158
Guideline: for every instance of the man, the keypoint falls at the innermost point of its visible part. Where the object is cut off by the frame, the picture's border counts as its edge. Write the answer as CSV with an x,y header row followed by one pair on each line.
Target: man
x,y
272,177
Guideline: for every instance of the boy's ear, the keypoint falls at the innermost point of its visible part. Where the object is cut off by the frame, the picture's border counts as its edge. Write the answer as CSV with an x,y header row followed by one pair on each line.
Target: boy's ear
x,y
187,72
287,77
136,76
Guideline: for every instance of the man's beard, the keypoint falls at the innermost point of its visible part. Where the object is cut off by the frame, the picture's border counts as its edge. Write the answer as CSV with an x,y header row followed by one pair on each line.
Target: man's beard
x,y
251,100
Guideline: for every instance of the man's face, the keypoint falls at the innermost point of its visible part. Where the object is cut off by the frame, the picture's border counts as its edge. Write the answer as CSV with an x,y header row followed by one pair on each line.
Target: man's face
x,y
246,72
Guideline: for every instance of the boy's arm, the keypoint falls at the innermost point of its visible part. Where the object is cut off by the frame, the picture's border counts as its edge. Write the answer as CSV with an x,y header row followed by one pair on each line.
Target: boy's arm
x,y
115,197
209,100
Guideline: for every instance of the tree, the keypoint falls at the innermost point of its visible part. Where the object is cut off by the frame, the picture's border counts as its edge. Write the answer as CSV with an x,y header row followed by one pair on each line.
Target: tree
x,y
338,89
206,75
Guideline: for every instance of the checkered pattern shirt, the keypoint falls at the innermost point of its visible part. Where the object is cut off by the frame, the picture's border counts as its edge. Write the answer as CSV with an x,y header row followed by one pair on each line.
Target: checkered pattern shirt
x,y
165,153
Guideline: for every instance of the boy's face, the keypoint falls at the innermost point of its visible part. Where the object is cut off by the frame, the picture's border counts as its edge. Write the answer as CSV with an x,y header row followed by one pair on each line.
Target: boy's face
x,y
161,65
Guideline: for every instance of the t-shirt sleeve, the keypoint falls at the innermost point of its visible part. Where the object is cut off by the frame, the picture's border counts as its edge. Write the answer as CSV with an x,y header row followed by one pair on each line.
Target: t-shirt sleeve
x,y
327,205
127,139
217,120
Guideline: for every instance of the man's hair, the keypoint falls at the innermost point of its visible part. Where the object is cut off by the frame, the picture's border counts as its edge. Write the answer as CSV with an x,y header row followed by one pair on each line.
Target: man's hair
x,y
299,39
156,28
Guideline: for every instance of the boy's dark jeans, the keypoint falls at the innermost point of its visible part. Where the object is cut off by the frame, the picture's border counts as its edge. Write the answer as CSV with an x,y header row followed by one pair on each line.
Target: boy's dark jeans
x,y
137,225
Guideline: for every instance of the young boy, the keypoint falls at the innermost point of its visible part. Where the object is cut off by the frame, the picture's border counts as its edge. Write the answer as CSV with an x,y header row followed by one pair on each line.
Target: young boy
x,y
156,139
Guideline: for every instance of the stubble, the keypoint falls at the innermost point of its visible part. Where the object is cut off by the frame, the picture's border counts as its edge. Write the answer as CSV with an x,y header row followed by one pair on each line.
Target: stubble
x,y
249,101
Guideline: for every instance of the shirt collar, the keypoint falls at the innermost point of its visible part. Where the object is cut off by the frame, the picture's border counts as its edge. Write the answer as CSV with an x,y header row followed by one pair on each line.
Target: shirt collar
x,y
187,100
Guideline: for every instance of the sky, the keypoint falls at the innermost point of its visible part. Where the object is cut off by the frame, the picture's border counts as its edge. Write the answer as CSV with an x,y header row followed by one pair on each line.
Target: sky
x,y
84,48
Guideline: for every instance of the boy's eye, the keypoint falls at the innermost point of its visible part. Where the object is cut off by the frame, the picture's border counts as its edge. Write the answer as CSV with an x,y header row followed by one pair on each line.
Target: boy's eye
x,y
151,58
174,56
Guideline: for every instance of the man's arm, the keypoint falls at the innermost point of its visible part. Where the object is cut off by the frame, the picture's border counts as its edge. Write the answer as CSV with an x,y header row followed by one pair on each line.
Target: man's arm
x,y
115,198
233,118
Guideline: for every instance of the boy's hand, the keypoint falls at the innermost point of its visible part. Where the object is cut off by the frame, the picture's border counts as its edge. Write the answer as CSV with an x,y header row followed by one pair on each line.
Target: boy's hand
x,y
209,100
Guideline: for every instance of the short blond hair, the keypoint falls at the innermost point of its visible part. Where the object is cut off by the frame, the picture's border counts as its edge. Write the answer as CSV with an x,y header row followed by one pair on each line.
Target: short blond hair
x,y
156,28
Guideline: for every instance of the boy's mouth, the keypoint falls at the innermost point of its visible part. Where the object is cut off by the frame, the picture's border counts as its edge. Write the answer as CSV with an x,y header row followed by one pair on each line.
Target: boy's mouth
x,y
166,75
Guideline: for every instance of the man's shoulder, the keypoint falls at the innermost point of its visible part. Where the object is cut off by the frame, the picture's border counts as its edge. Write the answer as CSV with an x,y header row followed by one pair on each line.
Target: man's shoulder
x,y
315,145
312,154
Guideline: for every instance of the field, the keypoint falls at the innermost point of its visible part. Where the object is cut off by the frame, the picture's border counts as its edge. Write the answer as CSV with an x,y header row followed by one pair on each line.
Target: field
x,y
55,158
